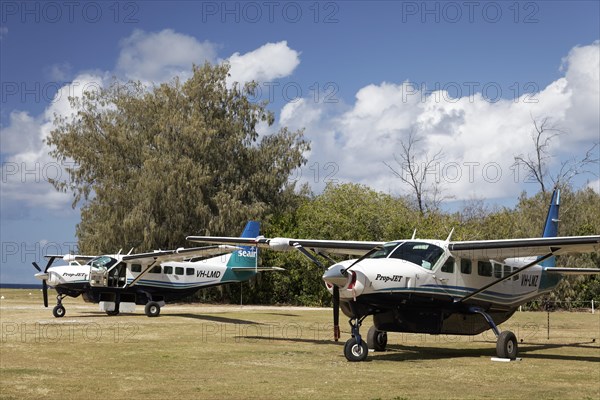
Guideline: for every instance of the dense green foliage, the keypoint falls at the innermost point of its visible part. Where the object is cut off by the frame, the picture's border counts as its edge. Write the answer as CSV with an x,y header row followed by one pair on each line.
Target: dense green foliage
x,y
355,212
155,165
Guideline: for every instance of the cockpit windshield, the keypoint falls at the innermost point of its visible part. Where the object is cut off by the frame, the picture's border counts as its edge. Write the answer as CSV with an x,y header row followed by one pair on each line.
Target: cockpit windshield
x,y
424,254
102,262
385,250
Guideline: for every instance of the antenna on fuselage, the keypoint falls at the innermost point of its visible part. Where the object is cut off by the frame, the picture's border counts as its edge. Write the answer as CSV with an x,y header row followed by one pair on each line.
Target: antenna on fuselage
x,y
414,234
450,235
130,251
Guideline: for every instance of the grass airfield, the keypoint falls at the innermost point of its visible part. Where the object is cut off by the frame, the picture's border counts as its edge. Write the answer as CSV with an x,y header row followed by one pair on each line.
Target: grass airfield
x,y
252,352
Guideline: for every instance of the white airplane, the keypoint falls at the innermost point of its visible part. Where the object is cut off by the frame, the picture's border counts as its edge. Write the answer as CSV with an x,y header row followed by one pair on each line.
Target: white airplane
x,y
434,286
120,281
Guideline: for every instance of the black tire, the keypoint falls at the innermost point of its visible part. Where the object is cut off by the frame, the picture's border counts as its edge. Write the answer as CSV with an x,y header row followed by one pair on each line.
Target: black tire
x,y
152,309
59,311
507,346
355,352
376,339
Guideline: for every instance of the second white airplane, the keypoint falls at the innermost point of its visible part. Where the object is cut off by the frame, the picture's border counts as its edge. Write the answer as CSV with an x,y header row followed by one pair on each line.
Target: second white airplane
x,y
434,286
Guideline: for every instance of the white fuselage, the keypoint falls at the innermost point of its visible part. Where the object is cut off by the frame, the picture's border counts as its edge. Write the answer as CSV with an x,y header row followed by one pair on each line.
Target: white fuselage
x,y
448,277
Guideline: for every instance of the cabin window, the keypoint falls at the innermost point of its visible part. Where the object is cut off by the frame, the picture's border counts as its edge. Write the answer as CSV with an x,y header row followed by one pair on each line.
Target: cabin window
x,y
484,268
465,266
516,277
497,270
448,265
507,270
156,270
136,268
168,269
189,271
178,270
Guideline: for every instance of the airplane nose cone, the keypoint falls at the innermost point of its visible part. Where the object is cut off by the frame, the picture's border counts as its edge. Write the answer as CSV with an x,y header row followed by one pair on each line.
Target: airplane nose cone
x,y
336,276
41,276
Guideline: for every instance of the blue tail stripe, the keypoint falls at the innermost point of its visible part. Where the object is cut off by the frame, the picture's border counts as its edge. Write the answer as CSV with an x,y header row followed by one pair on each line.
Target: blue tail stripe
x,y
551,226
247,255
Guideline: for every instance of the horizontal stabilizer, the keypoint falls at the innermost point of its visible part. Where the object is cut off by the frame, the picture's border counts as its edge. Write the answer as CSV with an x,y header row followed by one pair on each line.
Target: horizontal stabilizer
x,y
573,271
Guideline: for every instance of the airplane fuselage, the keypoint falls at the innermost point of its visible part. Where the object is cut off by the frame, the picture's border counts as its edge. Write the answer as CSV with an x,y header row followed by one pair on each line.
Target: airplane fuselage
x,y
416,291
169,281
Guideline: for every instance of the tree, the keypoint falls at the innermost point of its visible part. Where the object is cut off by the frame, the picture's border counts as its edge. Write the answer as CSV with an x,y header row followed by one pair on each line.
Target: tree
x,y
415,166
536,164
156,164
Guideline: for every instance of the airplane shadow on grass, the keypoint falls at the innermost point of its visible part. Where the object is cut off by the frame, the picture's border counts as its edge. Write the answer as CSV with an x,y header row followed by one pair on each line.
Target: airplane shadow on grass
x,y
214,318
416,353
204,317
419,353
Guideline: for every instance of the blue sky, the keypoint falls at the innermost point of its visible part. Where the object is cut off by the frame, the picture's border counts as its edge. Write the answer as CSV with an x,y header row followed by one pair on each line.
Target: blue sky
x,y
468,76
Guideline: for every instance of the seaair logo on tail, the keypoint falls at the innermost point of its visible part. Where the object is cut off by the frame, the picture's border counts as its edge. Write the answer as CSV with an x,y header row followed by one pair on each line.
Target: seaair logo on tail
x,y
246,256
246,253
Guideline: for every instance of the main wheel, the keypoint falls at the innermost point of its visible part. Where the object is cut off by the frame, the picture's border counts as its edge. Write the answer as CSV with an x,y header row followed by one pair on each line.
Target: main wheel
x,y
59,311
355,352
506,346
376,339
152,309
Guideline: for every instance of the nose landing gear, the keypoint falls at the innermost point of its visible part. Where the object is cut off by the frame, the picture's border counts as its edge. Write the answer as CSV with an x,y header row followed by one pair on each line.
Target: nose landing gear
x,y
59,310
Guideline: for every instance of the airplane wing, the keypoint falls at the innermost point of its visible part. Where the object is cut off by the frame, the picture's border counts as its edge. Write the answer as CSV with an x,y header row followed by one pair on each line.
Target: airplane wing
x,y
573,271
517,248
179,254
358,248
71,257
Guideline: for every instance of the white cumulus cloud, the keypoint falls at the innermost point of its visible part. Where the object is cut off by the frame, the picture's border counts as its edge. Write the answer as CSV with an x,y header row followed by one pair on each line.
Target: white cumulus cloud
x,y
268,62
159,56
479,137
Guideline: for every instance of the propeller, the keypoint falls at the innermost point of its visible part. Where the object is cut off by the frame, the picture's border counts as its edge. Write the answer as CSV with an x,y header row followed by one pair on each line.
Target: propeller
x,y
336,289
336,313
335,277
44,276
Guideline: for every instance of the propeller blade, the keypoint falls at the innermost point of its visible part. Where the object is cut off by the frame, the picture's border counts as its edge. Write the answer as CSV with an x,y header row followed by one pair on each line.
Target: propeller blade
x,y
36,266
50,261
336,313
45,292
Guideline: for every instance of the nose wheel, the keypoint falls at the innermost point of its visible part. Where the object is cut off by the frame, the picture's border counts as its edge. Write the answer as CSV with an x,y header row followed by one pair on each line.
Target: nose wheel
x,y
355,348
59,310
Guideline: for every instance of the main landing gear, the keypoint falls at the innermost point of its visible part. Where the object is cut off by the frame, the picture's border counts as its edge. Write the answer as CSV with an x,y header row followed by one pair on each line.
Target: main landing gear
x,y
59,310
506,344
152,309
376,339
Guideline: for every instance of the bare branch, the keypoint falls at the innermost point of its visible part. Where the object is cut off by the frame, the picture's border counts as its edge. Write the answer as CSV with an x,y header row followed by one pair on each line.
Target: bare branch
x,y
536,165
413,171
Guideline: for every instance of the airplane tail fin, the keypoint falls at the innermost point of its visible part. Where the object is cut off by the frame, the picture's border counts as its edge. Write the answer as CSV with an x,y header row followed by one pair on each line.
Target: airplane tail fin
x,y
247,256
551,226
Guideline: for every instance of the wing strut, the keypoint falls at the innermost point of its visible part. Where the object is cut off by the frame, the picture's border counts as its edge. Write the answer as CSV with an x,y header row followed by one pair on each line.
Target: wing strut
x,y
486,287
137,278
